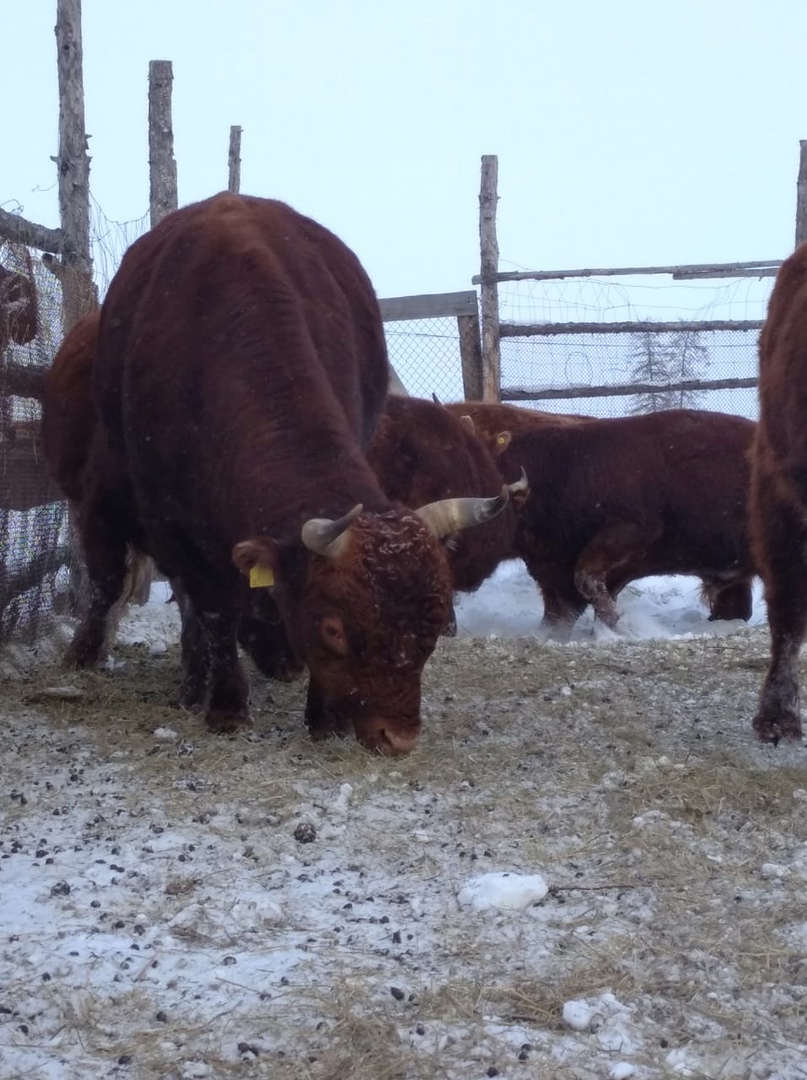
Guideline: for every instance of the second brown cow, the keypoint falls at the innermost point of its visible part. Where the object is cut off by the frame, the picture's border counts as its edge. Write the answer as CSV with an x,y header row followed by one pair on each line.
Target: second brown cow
x,y
612,501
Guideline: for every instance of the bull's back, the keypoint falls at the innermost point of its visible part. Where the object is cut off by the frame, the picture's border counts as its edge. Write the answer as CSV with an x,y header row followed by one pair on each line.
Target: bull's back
x,y
491,418
686,464
236,331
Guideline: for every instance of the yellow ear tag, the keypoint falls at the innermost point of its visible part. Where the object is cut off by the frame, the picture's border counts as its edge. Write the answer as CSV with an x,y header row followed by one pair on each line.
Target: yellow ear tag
x,y
261,577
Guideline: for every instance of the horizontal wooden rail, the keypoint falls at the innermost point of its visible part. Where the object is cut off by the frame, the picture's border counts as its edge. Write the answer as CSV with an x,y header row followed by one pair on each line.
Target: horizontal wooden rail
x,y
520,393
722,269
513,330
428,306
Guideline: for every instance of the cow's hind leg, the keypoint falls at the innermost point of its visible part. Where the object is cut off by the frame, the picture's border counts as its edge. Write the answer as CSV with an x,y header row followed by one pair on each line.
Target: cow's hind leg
x,y
103,529
783,558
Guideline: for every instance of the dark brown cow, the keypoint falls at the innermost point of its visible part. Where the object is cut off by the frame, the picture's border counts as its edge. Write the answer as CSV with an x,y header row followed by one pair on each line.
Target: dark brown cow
x,y
241,367
778,501
612,501
732,600
421,453
19,322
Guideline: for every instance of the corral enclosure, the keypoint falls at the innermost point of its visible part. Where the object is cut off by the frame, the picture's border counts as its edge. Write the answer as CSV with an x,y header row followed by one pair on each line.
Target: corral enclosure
x,y
588,869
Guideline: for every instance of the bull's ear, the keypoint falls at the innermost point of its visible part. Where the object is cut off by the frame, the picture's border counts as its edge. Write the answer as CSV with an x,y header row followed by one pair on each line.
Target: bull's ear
x,y
501,442
259,560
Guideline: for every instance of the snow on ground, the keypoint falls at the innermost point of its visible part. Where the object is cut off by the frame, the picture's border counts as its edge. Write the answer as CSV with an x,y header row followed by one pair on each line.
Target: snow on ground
x,y
223,933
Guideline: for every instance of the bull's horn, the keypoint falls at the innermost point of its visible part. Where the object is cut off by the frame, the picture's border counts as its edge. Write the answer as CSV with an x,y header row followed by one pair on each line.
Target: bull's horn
x,y
522,484
326,537
450,515
469,422
436,399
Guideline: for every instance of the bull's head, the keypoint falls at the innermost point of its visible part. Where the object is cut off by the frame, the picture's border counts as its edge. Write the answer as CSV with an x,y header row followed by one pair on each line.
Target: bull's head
x,y
375,596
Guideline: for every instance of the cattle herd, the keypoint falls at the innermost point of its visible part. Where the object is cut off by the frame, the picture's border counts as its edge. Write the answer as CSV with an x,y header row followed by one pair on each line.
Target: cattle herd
x,y
225,414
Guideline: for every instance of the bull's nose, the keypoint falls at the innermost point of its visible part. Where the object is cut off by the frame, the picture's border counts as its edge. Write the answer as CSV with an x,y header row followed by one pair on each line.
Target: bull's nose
x,y
386,738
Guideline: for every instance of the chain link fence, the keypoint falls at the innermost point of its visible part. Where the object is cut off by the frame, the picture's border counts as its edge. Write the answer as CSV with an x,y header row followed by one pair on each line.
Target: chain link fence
x,y
426,355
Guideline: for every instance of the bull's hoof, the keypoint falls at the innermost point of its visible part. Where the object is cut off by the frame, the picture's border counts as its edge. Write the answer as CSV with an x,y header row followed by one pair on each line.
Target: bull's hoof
x,y
785,726
220,723
192,696
78,658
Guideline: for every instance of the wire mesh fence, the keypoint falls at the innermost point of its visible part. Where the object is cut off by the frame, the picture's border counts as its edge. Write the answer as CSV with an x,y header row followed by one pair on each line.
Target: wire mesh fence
x,y
641,351
587,360
33,544
426,355
38,559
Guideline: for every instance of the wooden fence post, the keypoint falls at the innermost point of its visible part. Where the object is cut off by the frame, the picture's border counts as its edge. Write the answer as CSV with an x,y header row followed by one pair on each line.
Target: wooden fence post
x,y
471,357
801,195
162,164
73,167
489,292
234,160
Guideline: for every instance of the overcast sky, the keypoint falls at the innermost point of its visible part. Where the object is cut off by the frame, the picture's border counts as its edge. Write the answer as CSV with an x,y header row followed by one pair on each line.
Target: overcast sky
x,y
628,132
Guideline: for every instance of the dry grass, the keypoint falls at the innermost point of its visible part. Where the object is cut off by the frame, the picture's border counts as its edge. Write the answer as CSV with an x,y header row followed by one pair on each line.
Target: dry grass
x,y
626,774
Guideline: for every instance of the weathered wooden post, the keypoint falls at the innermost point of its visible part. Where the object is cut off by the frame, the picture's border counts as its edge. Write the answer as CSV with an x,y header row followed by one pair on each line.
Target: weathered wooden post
x,y
801,195
234,159
73,168
473,386
489,290
162,164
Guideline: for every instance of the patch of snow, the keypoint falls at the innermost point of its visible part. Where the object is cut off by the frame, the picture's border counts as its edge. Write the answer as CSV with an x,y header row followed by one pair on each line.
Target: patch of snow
x,y
503,890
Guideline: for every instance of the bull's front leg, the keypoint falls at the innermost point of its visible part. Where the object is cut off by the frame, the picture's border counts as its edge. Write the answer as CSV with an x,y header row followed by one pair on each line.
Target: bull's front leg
x,y
610,554
593,587
102,534
779,715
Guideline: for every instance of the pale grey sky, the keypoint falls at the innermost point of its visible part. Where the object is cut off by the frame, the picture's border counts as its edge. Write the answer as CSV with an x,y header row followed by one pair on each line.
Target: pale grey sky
x,y
627,132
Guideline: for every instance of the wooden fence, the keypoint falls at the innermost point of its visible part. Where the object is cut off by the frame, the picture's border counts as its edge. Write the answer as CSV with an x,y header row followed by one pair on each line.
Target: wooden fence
x,y
494,329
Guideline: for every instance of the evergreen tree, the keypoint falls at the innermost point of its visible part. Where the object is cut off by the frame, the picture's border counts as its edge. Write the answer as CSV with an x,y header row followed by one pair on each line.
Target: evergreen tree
x,y
676,356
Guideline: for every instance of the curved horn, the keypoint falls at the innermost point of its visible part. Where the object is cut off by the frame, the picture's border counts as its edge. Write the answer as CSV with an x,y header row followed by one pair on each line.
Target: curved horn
x,y
522,485
326,537
436,399
450,515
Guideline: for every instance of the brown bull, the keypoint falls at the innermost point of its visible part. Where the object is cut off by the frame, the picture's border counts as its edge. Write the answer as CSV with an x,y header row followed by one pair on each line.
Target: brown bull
x,y
778,502
422,453
726,599
241,369
612,501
